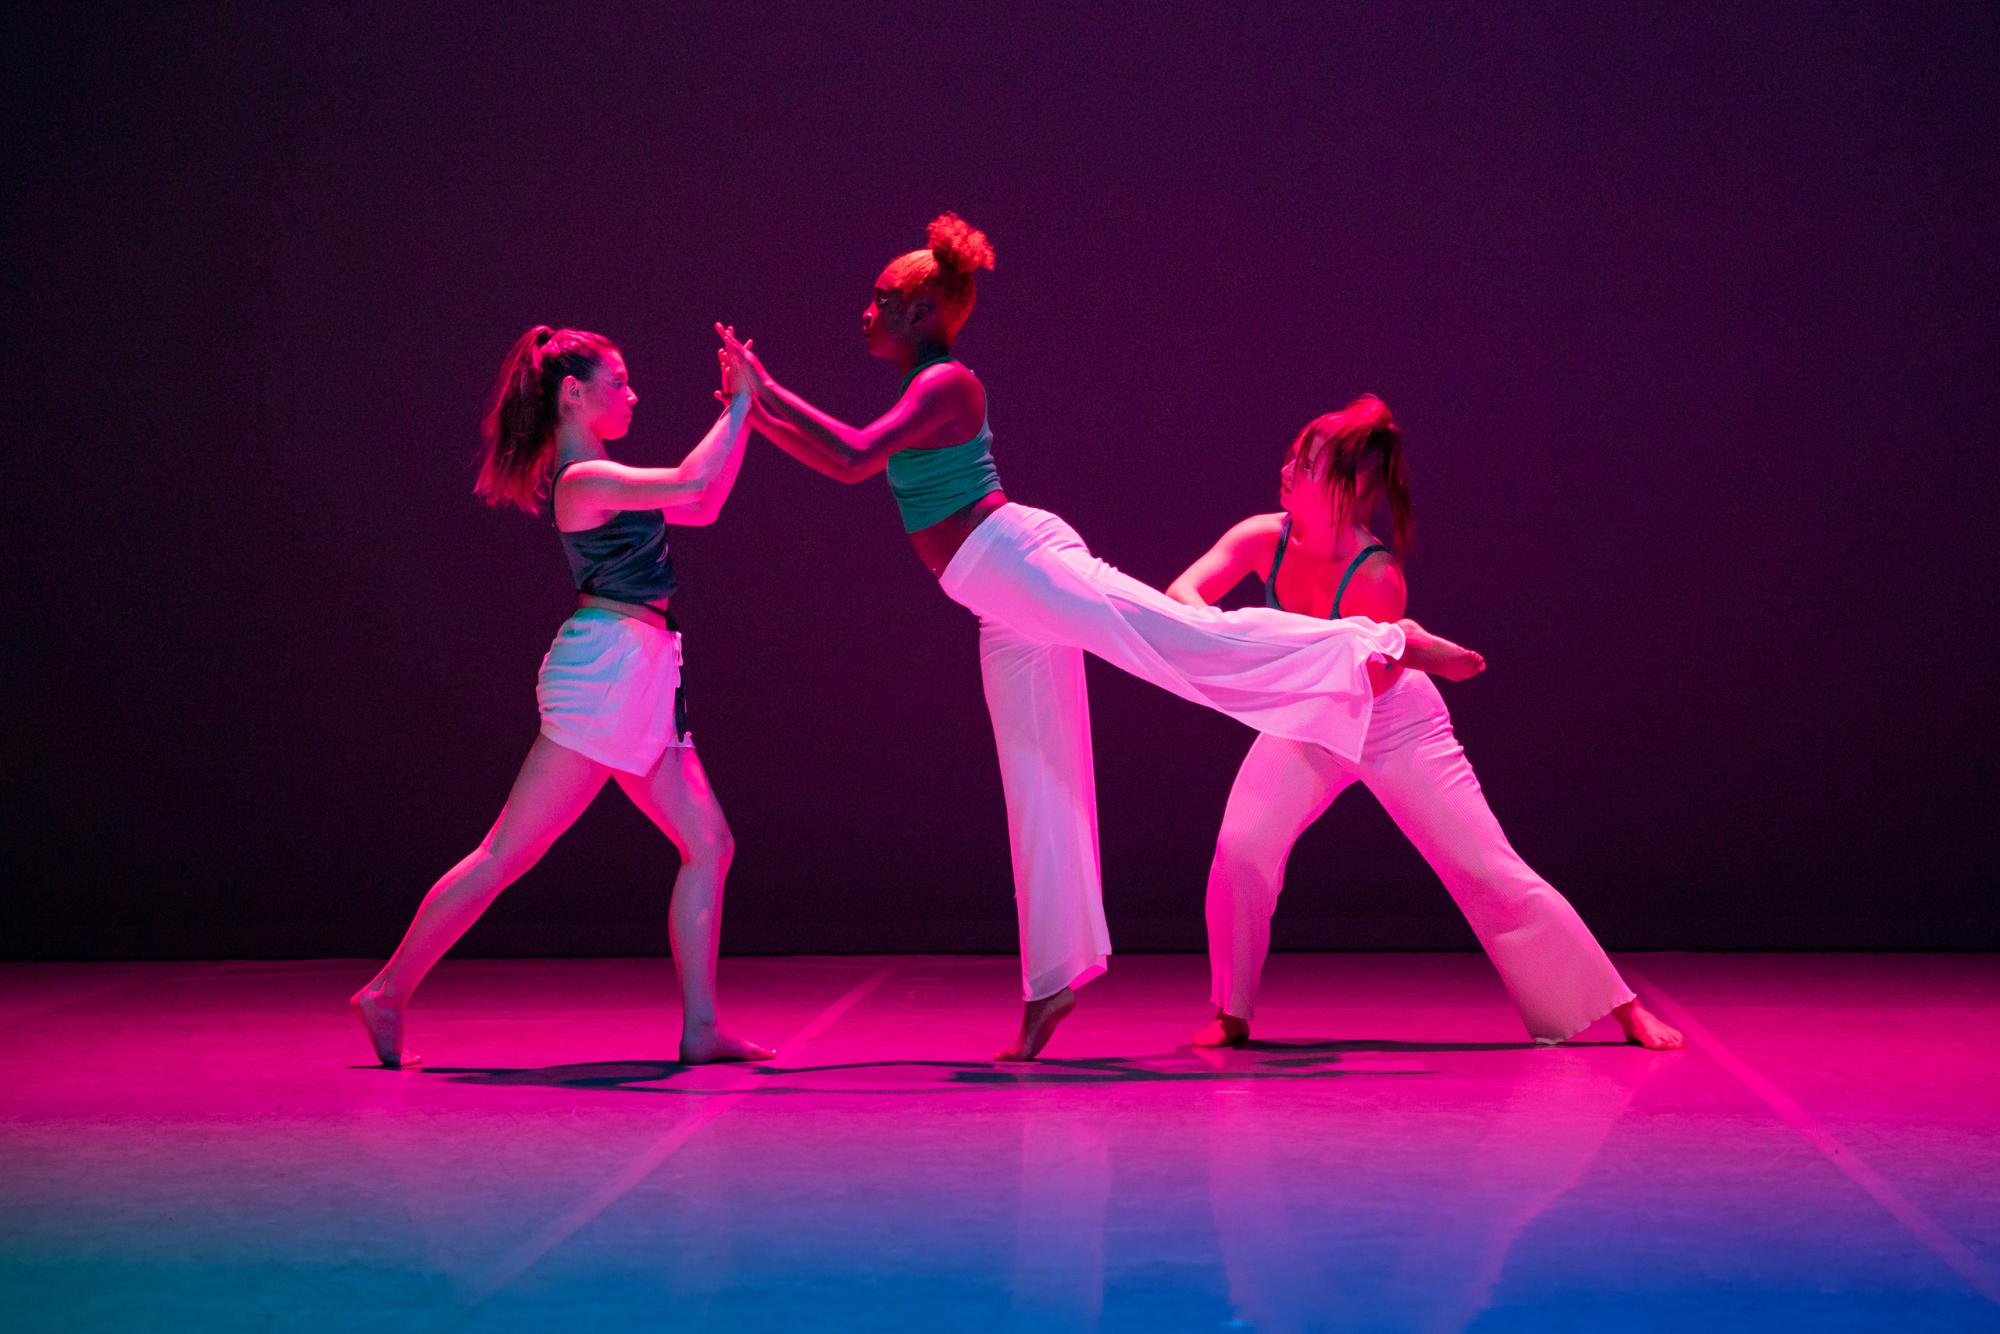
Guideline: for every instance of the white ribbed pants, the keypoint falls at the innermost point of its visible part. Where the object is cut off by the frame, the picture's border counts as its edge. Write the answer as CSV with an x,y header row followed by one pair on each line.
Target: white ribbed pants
x,y
1043,601
1553,967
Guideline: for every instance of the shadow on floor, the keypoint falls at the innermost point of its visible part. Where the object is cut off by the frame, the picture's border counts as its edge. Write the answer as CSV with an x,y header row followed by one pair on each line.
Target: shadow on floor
x,y
1256,1060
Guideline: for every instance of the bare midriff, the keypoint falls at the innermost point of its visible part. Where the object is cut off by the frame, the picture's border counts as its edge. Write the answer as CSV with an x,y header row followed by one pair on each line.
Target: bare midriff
x,y
652,613
937,544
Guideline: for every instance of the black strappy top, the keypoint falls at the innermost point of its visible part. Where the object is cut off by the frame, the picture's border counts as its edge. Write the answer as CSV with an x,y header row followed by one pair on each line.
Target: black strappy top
x,y
1271,579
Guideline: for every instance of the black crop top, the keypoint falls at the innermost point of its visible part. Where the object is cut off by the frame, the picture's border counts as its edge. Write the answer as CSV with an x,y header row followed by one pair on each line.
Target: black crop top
x,y
624,558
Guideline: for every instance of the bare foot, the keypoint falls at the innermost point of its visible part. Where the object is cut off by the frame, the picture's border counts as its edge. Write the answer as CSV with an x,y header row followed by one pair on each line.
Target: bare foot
x,y
1647,1029
1426,652
1038,1023
383,1023
1225,1030
706,1046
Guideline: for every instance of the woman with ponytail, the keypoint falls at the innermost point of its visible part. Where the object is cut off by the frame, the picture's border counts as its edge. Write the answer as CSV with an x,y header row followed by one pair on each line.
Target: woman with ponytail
x,y
1043,601
1319,558
609,689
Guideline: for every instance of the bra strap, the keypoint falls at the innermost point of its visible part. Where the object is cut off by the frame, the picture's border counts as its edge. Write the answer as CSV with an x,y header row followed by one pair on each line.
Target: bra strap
x,y
1271,579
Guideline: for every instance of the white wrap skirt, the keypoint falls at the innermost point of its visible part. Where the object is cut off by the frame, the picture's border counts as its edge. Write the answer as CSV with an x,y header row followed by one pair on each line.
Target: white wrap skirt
x,y
610,688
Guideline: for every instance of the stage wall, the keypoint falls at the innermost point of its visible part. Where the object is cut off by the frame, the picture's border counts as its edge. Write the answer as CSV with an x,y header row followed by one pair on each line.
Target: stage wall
x,y
1687,313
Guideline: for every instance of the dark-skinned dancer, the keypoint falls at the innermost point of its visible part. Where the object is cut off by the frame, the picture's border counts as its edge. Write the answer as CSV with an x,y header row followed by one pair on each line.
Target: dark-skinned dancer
x,y
1043,601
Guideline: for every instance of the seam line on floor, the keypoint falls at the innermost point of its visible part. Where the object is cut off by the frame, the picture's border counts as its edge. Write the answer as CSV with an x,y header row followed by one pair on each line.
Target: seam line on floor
x,y
1857,1169
578,1216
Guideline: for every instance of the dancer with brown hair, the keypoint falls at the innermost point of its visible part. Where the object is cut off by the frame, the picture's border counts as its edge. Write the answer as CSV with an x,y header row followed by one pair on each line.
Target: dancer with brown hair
x,y
609,689
1319,558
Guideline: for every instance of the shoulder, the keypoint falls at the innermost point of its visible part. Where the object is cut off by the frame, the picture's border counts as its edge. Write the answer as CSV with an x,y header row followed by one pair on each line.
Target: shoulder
x,y
1378,580
946,402
578,493
1247,549
1254,541
948,384
585,470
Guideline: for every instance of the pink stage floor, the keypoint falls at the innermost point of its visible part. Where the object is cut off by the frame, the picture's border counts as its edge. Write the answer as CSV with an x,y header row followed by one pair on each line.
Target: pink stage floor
x,y
203,1146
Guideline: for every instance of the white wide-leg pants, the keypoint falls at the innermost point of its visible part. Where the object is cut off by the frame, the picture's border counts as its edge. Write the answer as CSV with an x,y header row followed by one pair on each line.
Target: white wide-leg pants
x,y
1043,601
1557,973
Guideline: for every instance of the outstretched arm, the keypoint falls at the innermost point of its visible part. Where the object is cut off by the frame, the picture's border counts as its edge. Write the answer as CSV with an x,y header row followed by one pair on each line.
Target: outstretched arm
x,y
690,493
1243,550
1377,592
793,442
934,412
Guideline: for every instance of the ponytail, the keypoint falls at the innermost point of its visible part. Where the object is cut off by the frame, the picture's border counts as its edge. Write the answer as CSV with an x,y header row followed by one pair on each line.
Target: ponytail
x,y
1361,444
517,452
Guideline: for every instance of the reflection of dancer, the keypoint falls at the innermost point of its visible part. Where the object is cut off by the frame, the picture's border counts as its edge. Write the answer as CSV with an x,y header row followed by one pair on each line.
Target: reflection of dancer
x,y
1472,1174
1043,599
1319,558
609,687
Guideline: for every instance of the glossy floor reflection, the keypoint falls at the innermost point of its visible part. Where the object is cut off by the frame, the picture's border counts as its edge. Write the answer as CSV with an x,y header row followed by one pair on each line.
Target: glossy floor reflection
x,y
202,1146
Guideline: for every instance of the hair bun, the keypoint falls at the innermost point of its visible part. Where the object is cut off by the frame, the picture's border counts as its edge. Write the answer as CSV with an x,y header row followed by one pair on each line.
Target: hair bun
x,y
958,245
543,333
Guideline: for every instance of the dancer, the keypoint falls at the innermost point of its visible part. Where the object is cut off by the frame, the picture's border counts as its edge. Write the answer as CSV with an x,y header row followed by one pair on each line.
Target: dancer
x,y
1319,558
1043,600
609,689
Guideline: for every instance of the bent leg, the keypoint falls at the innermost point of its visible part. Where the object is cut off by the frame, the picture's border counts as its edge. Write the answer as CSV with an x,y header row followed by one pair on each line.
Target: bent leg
x,y
1559,976
677,797
1281,788
552,789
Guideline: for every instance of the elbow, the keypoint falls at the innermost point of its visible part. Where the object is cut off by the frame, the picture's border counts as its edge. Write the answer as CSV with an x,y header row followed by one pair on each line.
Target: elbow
x,y
1184,595
699,510
862,464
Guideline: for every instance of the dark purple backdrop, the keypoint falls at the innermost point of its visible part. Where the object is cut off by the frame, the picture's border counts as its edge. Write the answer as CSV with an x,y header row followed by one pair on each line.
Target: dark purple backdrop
x,y
1687,313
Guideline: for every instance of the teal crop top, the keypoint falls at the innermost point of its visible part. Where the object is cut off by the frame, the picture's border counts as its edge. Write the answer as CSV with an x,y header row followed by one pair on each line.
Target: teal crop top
x,y
933,484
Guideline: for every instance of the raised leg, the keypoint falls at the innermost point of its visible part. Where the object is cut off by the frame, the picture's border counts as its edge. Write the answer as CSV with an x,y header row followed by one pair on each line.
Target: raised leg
x,y
1287,675
552,789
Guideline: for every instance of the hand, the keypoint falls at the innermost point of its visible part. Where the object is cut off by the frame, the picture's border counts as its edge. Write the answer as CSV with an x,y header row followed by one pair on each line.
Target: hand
x,y
755,413
734,384
748,372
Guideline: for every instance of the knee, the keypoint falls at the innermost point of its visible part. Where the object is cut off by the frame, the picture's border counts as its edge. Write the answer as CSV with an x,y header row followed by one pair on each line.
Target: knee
x,y
1243,868
503,861
1496,876
711,844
